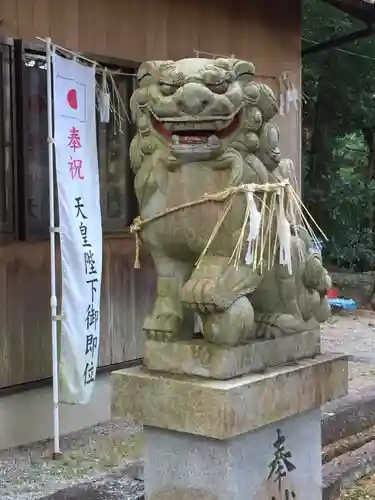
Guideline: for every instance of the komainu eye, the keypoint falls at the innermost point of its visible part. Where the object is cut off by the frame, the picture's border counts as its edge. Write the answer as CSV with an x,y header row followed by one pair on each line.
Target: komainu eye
x,y
167,89
215,79
219,88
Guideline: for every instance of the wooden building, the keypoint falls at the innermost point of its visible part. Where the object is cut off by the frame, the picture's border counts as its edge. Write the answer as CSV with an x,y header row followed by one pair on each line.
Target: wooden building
x,y
120,34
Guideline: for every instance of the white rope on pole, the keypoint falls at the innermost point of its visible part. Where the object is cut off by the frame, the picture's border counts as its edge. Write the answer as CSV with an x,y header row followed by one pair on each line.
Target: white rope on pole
x,y
98,69
200,53
76,55
53,230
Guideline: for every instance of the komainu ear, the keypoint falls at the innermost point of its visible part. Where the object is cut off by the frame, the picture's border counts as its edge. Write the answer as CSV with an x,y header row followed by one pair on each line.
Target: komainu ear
x,y
243,70
148,72
261,96
269,149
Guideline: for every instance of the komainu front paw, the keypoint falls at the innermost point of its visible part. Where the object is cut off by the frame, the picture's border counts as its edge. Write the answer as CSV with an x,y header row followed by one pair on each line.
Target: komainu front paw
x,y
162,326
214,286
202,295
167,322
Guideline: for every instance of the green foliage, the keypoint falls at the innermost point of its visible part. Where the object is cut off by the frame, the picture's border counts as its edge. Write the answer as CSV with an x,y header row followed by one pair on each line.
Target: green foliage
x,y
339,126
351,241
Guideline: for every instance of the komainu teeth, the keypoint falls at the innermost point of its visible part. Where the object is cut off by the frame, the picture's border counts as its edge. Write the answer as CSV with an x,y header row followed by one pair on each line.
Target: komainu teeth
x,y
175,139
213,140
220,125
180,127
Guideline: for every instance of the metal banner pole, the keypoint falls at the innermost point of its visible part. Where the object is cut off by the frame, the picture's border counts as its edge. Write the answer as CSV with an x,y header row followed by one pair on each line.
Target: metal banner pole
x,y
53,230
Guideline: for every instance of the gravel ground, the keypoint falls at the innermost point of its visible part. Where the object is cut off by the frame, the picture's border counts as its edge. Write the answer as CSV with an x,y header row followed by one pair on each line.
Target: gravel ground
x,y
95,461
354,335
113,487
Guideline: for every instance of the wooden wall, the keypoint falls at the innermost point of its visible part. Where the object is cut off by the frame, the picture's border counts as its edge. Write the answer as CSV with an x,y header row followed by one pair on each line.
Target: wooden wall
x,y
266,32
147,29
25,338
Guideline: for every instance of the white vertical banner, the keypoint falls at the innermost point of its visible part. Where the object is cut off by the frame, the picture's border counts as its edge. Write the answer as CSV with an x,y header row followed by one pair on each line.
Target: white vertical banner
x,y
80,226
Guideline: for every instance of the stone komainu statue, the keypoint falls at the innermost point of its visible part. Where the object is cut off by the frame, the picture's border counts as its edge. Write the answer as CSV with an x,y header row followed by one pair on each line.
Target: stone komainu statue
x,y
203,131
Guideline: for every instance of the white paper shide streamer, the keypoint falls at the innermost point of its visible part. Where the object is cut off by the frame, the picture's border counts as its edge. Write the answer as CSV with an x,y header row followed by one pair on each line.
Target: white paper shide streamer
x,y
284,235
104,100
295,97
270,227
288,96
254,228
282,103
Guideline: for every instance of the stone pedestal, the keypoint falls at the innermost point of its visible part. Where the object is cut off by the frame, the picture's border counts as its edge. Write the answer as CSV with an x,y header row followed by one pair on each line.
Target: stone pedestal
x,y
254,437
198,357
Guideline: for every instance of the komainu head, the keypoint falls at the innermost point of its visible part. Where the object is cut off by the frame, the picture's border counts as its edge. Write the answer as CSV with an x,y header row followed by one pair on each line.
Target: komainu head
x,y
198,107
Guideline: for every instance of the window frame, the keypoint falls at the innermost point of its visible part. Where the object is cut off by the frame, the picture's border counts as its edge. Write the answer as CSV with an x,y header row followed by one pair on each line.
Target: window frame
x,y
8,229
118,227
39,231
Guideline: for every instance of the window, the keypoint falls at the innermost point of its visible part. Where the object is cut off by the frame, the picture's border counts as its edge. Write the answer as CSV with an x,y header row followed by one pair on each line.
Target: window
x,y
116,179
7,162
117,197
33,120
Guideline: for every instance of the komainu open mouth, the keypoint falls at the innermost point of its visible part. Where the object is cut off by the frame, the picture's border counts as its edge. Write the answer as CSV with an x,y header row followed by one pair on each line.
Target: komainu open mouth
x,y
197,131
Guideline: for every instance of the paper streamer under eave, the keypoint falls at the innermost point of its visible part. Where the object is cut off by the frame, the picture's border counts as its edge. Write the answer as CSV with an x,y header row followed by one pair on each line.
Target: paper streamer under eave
x,y
80,226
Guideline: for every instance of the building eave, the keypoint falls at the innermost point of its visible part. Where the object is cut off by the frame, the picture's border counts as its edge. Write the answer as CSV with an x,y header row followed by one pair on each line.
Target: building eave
x,y
363,10
360,9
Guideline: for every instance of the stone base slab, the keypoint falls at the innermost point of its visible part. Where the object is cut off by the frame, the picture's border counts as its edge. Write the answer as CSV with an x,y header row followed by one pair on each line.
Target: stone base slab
x,y
225,409
201,358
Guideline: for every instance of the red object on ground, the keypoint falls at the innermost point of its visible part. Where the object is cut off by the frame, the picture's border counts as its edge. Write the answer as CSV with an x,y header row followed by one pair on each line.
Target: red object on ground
x,y
333,293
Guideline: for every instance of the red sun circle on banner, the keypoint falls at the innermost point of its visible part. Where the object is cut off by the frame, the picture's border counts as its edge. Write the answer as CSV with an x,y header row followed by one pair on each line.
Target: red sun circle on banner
x,y
72,98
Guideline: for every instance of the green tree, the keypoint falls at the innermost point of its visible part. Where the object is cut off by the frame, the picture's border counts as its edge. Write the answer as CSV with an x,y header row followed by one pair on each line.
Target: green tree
x,y
339,135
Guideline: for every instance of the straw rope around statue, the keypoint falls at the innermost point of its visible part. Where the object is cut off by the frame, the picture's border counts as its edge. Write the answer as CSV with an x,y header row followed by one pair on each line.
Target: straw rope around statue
x,y
278,201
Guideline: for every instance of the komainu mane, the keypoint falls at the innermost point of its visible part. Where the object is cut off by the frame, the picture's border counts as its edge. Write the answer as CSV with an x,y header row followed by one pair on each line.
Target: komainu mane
x,y
207,160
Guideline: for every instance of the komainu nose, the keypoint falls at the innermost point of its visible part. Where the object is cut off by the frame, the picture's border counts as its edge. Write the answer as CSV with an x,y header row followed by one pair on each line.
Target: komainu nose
x,y
192,98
